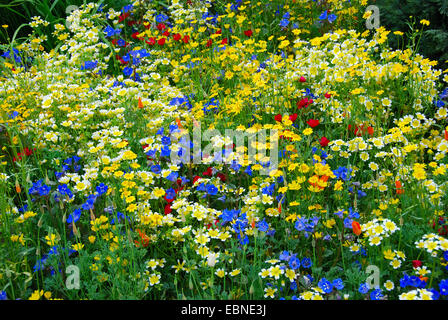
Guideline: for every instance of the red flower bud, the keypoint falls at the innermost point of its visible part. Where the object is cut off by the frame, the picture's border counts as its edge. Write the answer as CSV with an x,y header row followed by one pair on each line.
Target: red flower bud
x,y
416,263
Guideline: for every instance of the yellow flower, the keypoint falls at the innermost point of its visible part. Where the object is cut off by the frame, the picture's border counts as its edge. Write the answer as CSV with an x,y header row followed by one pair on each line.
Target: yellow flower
x,y
78,246
51,239
36,295
424,22
307,131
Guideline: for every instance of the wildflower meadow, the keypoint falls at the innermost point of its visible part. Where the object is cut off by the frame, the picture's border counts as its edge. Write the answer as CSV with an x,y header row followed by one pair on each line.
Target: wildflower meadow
x,y
216,150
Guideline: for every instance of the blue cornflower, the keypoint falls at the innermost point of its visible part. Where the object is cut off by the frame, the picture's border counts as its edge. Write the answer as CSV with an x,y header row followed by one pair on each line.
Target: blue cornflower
x,y
88,205
101,189
74,217
170,193
323,15
228,215
211,189
166,140
151,152
325,285
173,176
331,18
300,224
44,190
109,31
284,256
161,18
363,288
3,295
293,286
376,294
244,240
443,286
89,65
128,71
263,225
64,190
284,23
165,151
13,115
307,263
439,103
127,8
53,250
435,294
294,262
235,166
338,284
352,214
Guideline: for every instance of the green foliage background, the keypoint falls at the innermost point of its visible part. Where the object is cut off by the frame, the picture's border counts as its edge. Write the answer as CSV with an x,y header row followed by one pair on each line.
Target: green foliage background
x,y
395,15
15,13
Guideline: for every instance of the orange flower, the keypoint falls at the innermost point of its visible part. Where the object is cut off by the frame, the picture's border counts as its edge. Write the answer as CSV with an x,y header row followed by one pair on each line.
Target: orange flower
x,y
356,228
446,134
144,242
18,189
399,187
140,103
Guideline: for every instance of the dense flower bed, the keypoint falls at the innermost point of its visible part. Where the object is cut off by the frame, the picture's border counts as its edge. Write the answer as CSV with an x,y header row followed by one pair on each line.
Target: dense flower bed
x,y
92,135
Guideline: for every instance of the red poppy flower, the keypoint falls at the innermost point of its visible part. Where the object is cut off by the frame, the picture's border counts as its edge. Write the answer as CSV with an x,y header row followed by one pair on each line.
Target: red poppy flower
x,y
196,178
324,142
209,43
134,35
208,172
327,95
222,177
161,41
177,36
313,123
218,31
304,103
293,117
248,33
161,26
166,34
186,39
278,117
151,41
302,79
167,209
446,134
225,41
